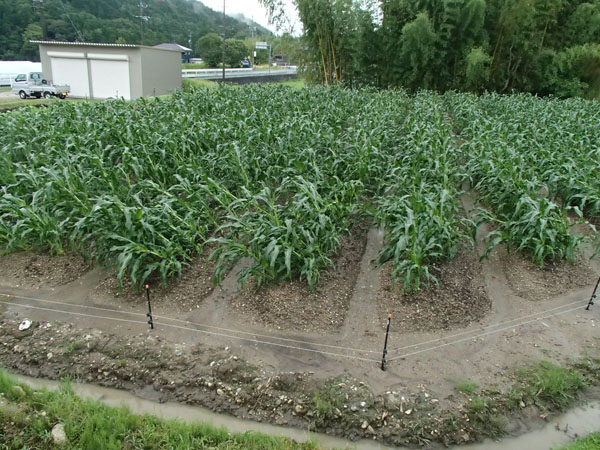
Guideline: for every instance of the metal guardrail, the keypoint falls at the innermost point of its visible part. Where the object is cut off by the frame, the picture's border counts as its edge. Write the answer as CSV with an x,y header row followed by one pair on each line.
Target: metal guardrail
x,y
234,73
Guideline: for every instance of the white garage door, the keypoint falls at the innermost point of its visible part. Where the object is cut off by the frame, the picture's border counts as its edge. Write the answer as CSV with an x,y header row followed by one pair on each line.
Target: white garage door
x,y
110,79
72,72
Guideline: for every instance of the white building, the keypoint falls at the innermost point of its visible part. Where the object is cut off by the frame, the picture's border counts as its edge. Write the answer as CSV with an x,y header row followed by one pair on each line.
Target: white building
x,y
94,70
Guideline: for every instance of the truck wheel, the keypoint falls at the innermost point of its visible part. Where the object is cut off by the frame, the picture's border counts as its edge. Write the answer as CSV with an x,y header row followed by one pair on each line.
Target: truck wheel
x,y
62,96
47,94
22,94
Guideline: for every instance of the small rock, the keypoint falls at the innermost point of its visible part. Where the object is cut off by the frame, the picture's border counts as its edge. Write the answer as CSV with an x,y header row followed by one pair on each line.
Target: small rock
x,y
58,434
364,425
18,349
408,411
370,430
299,409
363,404
522,404
49,355
354,408
220,392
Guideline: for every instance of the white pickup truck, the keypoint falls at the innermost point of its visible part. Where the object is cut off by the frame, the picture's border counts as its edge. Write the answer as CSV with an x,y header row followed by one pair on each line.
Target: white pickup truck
x,y
33,84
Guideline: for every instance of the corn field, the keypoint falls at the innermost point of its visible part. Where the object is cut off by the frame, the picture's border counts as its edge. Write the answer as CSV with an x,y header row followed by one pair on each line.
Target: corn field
x,y
280,177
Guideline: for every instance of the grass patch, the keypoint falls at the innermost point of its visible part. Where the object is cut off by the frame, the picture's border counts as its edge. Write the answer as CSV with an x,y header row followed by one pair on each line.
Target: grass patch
x,y
188,83
547,385
5,89
466,387
591,442
27,417
297,83
191,66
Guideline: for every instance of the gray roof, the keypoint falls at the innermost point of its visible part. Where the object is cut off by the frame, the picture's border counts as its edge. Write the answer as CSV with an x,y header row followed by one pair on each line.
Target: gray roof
x,y
99,44
172,46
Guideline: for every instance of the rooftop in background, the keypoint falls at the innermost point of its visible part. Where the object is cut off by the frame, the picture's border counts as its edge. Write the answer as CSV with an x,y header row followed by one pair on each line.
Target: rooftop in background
x,y
172,46
100,44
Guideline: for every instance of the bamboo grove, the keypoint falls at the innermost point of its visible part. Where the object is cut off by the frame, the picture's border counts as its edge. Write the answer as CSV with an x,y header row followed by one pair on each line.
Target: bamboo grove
x,y
546,47
279,177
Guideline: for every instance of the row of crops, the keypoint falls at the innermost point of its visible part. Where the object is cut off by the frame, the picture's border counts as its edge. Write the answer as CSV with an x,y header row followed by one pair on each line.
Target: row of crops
x,y
281,176
535,163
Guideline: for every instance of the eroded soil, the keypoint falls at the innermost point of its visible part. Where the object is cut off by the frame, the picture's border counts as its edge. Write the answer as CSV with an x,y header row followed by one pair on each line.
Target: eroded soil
x,y
458,300
293,306
181,294
33,270
532,282
277,356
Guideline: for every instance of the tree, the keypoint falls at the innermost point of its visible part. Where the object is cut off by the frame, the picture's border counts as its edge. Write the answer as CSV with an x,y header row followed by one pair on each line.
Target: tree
x,y
209,48
29,50
235,51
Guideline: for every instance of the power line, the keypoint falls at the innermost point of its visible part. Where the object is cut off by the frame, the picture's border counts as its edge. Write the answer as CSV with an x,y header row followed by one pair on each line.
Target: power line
x,y
79,34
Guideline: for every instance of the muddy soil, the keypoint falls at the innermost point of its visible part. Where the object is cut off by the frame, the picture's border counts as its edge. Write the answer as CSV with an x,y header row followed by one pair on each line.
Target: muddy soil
x,y
34,270
534,283
459,300
154,369
293,306
182,294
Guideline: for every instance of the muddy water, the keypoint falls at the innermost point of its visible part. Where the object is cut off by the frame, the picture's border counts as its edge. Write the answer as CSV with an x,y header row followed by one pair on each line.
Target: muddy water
x,y
561,430
114,397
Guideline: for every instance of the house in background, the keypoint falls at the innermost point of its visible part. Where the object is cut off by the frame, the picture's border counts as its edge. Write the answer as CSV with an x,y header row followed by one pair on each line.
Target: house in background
x,y
97,70
186,53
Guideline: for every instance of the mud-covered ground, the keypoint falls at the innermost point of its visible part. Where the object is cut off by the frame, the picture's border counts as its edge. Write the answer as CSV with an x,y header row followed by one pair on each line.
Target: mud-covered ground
x,y
281,355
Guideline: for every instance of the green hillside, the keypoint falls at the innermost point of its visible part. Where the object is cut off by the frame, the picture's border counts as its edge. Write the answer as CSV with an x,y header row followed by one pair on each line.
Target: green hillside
x,y
178,21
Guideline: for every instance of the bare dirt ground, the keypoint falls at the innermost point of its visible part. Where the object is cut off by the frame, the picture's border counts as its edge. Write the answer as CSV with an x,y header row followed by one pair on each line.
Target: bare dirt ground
x,y
293,306
223,349
531,282
181,294
459,300
41,271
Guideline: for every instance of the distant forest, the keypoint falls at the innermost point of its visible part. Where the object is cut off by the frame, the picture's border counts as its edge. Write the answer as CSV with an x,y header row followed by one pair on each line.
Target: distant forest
x,y
180,21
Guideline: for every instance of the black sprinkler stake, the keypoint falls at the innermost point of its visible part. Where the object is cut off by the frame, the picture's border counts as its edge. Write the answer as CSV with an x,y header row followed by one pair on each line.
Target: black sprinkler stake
x,y
387,333
591,302
149,313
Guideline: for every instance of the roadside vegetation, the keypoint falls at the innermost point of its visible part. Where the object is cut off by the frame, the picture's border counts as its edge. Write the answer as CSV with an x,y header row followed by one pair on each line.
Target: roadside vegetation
x,y
28,416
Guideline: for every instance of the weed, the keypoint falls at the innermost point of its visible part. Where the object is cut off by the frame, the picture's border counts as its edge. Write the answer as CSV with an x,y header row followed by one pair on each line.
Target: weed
x,y
466,387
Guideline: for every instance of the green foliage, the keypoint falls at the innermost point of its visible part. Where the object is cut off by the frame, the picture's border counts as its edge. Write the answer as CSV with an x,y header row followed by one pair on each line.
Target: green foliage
x,y
235,51
590,442
548,385
477,70
210,48
109,21
277,177
92,425
466,387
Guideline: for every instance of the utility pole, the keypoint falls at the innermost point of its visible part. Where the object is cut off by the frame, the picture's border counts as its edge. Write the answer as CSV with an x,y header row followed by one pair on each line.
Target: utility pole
x,y
143,19
42,12
223,40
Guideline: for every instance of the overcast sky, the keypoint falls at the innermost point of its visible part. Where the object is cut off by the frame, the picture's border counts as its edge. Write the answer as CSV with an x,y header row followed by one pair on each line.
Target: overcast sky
x,y
251,9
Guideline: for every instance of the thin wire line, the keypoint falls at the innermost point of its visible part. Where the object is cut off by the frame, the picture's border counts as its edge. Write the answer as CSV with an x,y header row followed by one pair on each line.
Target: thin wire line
x,y
189,323
194,330
480,335
484,328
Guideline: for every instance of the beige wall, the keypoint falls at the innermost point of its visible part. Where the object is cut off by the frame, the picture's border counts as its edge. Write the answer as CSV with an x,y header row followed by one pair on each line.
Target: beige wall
x,y
151,71
161,71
